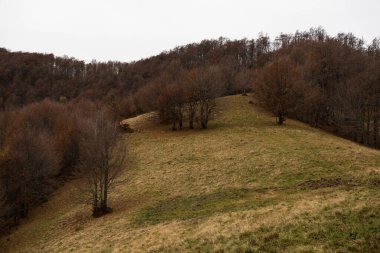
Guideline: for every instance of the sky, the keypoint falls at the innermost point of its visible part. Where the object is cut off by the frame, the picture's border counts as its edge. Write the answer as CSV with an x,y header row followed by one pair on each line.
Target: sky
x,y
130,30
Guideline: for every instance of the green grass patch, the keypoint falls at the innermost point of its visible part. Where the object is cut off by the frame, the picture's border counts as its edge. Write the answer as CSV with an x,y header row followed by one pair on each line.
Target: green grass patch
x,y
349,231
201,206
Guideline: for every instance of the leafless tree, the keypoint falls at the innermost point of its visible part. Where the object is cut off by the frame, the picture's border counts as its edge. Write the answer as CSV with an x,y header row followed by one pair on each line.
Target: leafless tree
x,y
192,102
276,87
102,158
36,164
209,85
243,81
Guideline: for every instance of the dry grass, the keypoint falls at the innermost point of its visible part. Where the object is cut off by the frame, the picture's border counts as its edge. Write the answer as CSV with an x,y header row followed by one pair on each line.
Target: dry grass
x,y
245,184
143,121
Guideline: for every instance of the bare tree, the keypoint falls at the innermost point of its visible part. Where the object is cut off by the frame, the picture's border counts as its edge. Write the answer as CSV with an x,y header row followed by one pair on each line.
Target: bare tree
x,y
102,158
192,102
275,87
209,85
243,81
37,163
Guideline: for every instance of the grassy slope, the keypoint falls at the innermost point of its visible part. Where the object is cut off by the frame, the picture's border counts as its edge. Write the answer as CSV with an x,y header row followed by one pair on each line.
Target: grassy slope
x,y
244,184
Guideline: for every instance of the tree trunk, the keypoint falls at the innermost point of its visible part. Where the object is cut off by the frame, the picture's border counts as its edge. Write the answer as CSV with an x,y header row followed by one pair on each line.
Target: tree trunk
x,y
95,199
281,118
204,121
173,126
204,115
375,127
105,191
100,193
24,210
362,126
180,123
368,126
192,109
180,117
15,219
191,122
191,118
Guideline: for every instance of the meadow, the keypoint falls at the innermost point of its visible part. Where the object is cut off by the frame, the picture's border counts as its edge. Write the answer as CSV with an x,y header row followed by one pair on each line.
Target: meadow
x,y
244,184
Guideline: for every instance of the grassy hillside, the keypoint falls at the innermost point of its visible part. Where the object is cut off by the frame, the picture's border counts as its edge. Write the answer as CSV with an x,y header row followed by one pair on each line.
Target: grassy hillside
x,y
244,185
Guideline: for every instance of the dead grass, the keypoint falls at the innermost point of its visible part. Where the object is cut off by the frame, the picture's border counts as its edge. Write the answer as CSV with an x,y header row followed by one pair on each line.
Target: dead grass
x,y
243,184
143,121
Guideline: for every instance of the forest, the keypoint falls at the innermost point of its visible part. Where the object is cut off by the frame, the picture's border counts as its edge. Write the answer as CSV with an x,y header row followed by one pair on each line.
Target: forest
x,y
51,107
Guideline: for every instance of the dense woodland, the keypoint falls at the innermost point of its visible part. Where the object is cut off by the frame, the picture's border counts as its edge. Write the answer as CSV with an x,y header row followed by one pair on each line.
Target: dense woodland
x,y
47,103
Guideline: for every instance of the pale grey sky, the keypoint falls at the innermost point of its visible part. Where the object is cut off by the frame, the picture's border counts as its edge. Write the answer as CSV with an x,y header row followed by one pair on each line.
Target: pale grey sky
x,y
134,29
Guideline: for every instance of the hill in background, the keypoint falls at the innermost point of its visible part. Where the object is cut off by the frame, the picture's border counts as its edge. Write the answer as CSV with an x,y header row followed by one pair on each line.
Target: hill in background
x,y
243,185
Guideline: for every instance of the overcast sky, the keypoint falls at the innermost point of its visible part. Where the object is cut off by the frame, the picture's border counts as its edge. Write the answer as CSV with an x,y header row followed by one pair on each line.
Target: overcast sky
x,y
134,29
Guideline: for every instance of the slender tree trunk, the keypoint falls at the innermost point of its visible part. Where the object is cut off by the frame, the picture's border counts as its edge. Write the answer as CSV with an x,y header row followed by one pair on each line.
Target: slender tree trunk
x,y
95,199
375,127
203,119
173,126
100,193
180,119
24,210
191,114
105,190
15,219
362,126
280,118
203,124
368,126
191,120
202,112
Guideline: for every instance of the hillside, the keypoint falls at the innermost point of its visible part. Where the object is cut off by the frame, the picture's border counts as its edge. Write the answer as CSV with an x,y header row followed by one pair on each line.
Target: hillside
x,y
245,184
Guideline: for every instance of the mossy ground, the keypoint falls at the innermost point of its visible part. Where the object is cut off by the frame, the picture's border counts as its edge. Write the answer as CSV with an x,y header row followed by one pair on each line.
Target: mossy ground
x,y
243,185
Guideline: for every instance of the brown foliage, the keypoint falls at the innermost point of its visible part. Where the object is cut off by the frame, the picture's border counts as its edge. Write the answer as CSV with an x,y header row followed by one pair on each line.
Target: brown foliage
x,y
276,87
39,143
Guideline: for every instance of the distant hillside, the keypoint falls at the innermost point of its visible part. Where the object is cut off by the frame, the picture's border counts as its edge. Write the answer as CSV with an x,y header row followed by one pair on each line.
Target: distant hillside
x,y
243,185
337,78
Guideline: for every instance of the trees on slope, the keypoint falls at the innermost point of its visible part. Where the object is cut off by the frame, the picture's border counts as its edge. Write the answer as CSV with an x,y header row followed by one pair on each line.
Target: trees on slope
x,y
334,84
41,144
193,93
171,103
276,87
208,85
29,161
35,164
